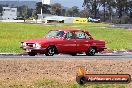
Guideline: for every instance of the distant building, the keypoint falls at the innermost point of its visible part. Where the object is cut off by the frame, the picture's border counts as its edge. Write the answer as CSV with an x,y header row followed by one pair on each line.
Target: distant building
x,y
9,13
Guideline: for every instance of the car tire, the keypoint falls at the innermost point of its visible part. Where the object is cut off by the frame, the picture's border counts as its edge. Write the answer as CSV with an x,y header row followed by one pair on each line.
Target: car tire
x,y
31,54
91,51
50,51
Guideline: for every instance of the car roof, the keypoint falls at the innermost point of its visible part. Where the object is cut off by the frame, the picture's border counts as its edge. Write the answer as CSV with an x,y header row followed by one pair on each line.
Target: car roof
x,y
68,29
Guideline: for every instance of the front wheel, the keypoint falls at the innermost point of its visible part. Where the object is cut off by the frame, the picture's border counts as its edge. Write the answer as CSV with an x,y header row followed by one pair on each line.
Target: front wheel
x,y
91,51
50,51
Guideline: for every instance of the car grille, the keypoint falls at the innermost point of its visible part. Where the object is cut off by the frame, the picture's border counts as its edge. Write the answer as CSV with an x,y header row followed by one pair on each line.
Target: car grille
x,y
30,44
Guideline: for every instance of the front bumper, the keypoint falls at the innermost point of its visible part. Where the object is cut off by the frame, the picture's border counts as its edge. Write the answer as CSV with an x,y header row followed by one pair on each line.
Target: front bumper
x,y
36,50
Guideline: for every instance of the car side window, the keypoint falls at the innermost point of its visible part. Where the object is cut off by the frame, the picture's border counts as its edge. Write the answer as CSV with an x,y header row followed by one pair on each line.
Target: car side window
x,y
69,35
60,34
81,35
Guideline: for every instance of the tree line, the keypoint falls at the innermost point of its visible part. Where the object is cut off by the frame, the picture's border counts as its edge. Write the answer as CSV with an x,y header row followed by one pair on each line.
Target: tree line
x,y
57,9
114,11
117,11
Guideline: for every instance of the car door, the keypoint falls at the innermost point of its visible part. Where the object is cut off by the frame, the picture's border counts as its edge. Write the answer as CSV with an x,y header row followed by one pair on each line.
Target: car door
x,y
82,40
69,43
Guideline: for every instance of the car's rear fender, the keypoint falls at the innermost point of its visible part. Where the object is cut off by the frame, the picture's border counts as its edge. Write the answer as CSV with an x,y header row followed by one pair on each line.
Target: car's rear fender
x,y
99,45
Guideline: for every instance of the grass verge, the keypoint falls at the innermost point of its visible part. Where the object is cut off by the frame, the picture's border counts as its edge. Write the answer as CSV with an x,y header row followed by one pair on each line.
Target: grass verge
x,y
11,34
55,84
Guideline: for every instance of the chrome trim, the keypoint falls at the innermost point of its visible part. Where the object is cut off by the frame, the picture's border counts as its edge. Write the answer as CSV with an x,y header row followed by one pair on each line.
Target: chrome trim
x,y
33,48
37,49
104,48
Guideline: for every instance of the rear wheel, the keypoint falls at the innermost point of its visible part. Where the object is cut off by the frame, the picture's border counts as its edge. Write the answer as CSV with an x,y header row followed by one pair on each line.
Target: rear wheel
x,y
50,51
91,51
31,54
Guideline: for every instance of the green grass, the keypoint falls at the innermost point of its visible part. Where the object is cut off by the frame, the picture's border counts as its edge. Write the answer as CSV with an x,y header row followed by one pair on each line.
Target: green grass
x,y
11,34
55,84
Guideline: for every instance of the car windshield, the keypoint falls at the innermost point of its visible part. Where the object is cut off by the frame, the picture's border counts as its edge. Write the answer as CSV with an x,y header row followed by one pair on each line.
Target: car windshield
x,y
55,34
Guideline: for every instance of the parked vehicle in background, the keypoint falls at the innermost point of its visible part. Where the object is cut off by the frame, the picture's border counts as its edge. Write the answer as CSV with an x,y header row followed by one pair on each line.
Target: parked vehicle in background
x,y
67,41
90,19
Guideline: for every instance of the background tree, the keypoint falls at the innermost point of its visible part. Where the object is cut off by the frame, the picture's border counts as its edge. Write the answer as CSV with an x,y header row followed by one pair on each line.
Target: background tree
x,y
75,11
84,13
130,9
69,12
92,6
103,2
34,14
1,9
38,7
24,12
63,12
56,9
122,9
30,11
108,6
45,8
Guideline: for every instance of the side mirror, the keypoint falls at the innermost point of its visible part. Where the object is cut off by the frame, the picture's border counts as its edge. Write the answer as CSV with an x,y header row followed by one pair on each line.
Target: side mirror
x,y
89,37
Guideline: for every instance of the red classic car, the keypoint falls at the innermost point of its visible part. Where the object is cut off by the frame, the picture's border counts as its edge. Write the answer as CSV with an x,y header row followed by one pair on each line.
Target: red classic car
x,y
68,41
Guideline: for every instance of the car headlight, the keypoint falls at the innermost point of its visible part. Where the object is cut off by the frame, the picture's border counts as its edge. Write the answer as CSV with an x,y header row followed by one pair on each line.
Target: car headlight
x,y
34,45
23,44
